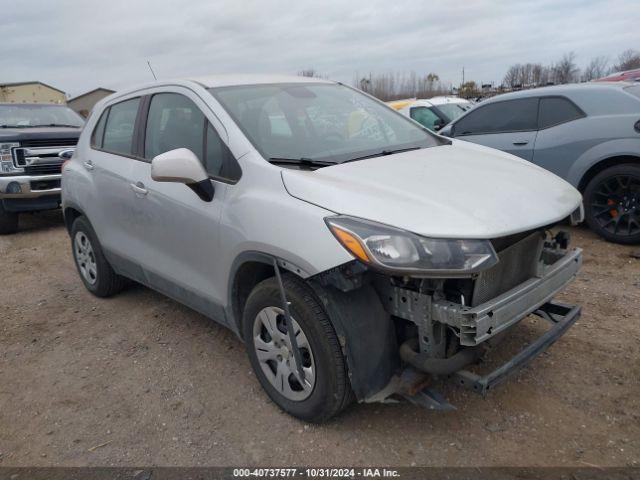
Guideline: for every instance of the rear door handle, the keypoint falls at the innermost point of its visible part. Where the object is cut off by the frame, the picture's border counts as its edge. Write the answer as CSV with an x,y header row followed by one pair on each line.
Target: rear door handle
x,y
139,188
521,142
88,165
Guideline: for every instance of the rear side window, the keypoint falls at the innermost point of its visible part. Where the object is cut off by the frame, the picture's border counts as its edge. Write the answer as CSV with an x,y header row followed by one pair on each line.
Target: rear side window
x,y
98,131
174,121
557,110
424,116
118,132
500,117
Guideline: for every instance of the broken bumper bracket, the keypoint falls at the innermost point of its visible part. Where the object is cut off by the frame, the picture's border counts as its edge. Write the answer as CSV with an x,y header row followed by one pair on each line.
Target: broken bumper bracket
x,y
561,316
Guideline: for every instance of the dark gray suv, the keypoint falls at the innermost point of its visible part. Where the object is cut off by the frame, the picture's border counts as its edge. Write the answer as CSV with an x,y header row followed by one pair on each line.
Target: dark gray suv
x,y
588,134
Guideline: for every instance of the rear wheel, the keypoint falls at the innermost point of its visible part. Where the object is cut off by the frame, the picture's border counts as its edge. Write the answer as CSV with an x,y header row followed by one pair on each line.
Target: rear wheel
x,y
94,269
612,204
325,389
8,221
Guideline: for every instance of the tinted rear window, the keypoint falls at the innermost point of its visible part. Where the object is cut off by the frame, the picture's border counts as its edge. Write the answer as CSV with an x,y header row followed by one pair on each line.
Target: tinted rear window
x,y
508,116
556,110
118,133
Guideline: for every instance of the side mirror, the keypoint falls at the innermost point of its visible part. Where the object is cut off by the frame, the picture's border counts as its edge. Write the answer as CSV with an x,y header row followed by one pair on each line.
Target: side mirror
x,y
182,166
66,154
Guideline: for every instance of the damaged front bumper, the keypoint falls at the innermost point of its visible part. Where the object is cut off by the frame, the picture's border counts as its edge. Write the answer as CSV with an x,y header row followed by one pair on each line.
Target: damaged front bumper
x,y
478,327
561,316
480,323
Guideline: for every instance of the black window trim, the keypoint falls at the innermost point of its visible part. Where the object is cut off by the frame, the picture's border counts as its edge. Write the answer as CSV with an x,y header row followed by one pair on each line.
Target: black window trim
x,y
538,98
580,111
134,140
229,156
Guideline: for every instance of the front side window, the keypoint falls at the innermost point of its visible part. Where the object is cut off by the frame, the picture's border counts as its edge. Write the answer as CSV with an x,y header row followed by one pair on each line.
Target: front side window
x,y
500,117
30,116
174,121
118,131
425,117
317,121
556,110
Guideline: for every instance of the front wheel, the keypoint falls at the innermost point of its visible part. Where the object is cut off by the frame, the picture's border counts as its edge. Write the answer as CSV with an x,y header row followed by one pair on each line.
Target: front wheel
x,y
612,204
325,390
8,221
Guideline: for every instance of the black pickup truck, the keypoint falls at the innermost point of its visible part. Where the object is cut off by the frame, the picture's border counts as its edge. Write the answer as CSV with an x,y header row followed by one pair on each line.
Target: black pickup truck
x,y
31,138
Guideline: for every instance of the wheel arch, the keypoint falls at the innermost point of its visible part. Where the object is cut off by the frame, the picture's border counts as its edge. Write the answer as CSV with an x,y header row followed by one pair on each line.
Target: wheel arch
x,y
70,213
247,270
602,165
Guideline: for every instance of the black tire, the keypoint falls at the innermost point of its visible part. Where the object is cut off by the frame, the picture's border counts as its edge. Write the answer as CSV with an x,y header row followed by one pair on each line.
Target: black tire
x,y
332,391
612,204
8,221
105,281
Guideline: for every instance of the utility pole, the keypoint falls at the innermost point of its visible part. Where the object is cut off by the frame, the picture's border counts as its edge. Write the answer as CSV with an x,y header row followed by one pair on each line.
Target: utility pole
x,y
462,76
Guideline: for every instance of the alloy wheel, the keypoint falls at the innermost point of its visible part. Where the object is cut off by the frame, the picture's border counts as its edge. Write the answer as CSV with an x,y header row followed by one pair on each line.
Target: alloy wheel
x,y
616,205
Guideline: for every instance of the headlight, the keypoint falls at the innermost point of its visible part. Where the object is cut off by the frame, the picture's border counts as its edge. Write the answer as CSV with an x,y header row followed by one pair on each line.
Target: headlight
x,y
6,158
400,251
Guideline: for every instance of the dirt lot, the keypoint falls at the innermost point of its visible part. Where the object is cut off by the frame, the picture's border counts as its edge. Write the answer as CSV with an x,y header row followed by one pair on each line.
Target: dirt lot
x,y
140,380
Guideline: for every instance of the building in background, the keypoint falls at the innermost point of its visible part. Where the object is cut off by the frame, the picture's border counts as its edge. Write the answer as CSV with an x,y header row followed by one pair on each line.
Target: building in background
x,y
85,102
30,92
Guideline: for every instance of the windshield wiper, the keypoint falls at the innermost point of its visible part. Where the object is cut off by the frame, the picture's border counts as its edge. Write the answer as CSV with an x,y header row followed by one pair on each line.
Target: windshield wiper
x,y
13,126
383,153
300,161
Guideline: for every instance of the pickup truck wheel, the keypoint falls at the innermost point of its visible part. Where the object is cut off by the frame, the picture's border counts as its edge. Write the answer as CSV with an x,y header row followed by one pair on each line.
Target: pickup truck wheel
x,y
8,221
612,204
325,390
95,272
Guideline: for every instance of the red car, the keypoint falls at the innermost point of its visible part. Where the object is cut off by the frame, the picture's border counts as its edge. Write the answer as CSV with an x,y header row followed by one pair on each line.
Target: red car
x,y
627,76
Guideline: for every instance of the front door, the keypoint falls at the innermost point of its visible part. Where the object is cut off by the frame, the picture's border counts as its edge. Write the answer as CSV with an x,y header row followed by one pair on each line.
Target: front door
x,y
181,230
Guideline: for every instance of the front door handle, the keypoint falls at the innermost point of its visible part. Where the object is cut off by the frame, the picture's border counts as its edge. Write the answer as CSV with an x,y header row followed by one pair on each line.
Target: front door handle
x,y
521,142
88,165
139,188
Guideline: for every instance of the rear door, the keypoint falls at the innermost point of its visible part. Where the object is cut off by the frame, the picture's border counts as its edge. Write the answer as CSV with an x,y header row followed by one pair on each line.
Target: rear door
x,y
508,125
181,231
110,163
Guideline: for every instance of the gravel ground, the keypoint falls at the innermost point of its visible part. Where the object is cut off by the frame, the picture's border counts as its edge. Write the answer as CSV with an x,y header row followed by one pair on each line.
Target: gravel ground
x,y
141,380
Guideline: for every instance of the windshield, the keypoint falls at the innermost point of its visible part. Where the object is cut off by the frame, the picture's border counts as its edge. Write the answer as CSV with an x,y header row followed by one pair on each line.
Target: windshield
x,y
318,122
453,110
34,115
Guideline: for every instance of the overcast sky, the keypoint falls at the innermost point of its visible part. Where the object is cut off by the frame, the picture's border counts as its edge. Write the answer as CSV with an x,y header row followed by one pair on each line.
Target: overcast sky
x,y
79,45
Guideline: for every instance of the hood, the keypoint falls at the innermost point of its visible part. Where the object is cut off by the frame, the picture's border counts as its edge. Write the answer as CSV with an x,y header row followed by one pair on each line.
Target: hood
x,y
461,190
40,133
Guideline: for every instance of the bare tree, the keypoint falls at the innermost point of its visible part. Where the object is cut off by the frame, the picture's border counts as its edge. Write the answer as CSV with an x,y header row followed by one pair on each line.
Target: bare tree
x,y
566,70
596,68
628,60
393,86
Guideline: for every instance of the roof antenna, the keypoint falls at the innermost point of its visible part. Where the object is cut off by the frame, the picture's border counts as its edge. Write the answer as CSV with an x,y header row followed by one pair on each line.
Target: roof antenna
x,y
152,72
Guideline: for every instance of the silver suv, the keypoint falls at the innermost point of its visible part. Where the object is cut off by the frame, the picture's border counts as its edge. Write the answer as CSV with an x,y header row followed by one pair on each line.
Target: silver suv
x,y
355,252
